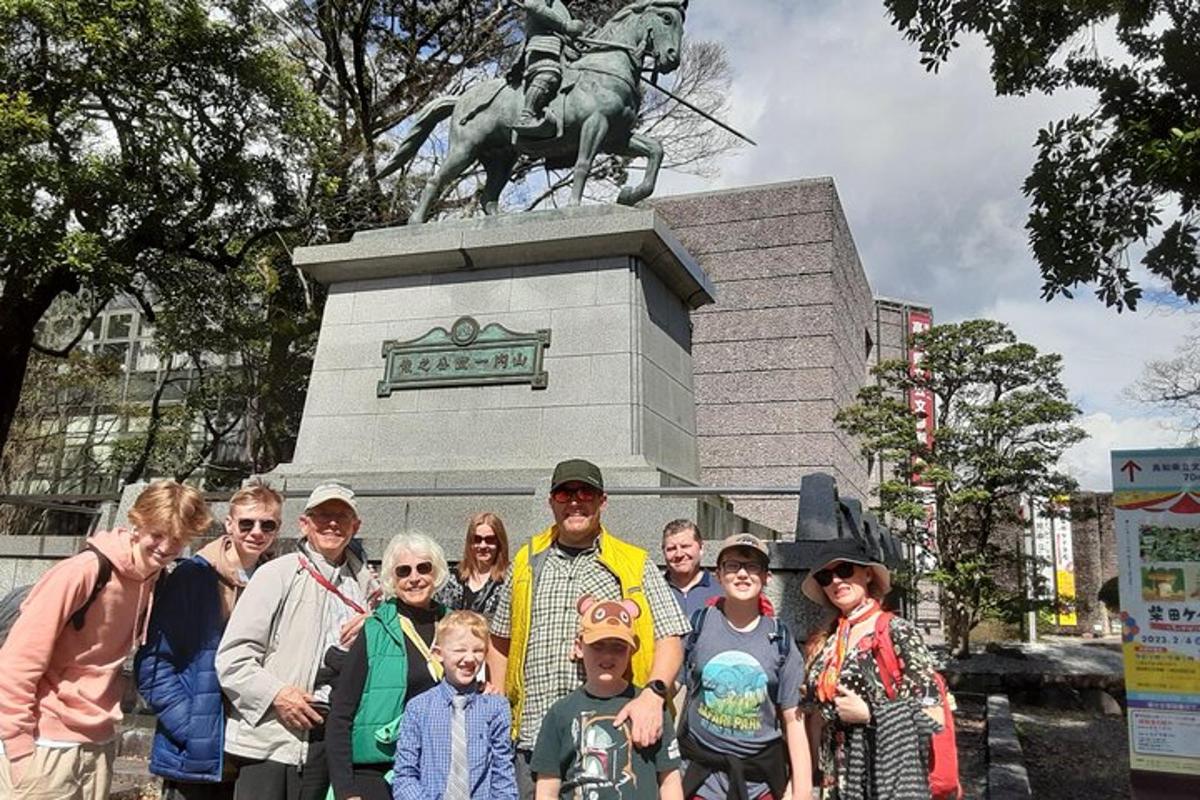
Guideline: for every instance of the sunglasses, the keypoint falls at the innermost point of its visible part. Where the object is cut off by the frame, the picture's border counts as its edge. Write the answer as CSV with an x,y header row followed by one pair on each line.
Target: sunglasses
x,y
404,570
733,566
485,539
265,525
843,570
584,494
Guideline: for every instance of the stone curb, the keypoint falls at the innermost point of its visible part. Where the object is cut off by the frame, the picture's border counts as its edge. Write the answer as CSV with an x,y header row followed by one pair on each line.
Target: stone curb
x,y
1007,777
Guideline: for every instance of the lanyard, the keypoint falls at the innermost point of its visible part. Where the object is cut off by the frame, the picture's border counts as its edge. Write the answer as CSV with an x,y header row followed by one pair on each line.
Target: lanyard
x,y
329,587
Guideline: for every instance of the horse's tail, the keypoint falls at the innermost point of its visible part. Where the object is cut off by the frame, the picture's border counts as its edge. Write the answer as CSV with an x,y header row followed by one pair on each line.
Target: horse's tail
x,y
427,119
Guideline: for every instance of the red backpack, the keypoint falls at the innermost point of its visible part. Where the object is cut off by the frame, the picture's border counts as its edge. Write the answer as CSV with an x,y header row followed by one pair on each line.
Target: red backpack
x,y
943,755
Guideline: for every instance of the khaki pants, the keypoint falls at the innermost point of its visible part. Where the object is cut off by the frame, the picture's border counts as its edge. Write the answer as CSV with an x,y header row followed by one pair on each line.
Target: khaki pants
x,y
68,773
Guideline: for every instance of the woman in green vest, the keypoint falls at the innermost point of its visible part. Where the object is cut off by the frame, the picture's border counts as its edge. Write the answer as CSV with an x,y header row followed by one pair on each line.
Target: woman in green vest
x,y
389,663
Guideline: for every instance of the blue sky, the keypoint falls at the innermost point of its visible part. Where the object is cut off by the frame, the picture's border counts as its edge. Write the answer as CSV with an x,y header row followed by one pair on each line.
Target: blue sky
x,y
929,170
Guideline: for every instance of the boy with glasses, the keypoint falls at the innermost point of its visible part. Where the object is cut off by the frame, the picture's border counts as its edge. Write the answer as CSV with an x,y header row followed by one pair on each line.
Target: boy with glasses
x,y
742,732
175,668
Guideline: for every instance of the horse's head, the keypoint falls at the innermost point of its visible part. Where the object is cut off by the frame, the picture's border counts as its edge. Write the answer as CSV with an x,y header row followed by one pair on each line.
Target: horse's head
x,y
659,24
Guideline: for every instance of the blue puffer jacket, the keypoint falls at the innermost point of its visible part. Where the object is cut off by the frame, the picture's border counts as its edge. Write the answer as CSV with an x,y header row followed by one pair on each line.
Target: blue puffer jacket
x,y
177,677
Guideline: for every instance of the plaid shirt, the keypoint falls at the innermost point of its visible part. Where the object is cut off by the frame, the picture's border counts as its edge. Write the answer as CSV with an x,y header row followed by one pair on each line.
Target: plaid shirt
x,y
550,673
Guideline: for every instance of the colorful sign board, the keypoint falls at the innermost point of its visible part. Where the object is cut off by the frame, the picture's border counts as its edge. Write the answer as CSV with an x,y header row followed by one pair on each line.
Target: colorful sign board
x,y
920,401
1156,517
1054,550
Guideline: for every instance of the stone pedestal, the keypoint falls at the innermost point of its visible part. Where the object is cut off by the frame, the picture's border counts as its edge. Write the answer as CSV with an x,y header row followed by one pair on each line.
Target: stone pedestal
x,y
614,289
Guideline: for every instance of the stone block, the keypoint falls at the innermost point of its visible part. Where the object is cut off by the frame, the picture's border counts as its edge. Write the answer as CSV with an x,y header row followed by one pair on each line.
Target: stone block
x,y
378,300
770,323
778,513
808,258
358,346
492,436
588,431
733,387
799,416
592,330
555,286
765,450
335,439
755,233
667,397
351,392
781,292
452,295
763,354
748,202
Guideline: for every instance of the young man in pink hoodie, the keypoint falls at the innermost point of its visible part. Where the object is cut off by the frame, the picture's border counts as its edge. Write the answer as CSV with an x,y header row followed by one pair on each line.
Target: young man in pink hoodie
x,y
60,687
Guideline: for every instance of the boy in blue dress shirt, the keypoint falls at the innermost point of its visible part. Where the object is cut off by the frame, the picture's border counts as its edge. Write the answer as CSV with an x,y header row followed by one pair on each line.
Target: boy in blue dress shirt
x,y
455,742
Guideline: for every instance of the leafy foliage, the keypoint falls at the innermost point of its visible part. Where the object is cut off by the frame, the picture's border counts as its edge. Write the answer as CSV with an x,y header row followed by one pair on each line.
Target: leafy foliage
x,y
1126,174
142,154
1002,422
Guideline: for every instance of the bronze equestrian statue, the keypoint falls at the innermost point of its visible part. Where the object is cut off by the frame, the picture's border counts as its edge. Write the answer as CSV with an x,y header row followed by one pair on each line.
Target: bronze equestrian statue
x,y
596,107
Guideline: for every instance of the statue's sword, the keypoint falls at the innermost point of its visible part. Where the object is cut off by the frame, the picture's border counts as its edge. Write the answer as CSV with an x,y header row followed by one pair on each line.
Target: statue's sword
x,y
699,111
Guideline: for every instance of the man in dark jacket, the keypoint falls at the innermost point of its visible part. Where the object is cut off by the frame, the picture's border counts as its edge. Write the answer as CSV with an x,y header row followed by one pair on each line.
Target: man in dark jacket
x,y
175,668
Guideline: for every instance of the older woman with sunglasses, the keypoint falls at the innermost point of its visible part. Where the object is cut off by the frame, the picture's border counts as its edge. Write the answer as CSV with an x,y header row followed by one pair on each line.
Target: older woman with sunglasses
x,y
477,583
855,705
390,663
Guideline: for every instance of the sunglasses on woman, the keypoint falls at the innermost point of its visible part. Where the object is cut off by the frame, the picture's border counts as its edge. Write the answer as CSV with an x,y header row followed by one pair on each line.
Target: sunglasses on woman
x,y
843,570
404,570
265,525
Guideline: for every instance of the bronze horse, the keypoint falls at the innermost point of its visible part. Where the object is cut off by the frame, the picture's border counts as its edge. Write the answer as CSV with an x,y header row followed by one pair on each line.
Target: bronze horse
x,y
598,105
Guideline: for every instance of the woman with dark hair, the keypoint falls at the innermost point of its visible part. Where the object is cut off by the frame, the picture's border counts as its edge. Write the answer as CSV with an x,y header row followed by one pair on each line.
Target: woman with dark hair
x,y
855,702
475,585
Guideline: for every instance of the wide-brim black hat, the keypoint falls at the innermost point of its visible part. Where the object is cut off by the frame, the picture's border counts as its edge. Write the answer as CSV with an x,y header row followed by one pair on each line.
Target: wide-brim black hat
x,y
852,551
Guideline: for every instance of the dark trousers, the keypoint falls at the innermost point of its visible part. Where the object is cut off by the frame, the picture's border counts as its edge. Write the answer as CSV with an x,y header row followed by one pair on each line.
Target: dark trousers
x,y
266,780
369,783
526,780
187,790
314,775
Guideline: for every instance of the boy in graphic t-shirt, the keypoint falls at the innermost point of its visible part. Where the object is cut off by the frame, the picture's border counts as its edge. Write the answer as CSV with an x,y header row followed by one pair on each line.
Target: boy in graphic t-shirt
x,y
742,731
579,752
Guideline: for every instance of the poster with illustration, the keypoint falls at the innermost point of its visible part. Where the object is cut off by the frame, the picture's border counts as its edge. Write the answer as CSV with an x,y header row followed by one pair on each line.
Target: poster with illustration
x,y
1156,519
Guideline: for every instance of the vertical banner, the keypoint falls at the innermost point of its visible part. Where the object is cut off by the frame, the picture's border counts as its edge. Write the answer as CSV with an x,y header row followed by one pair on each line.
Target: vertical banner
x,y
1156,518
1053,548
920,401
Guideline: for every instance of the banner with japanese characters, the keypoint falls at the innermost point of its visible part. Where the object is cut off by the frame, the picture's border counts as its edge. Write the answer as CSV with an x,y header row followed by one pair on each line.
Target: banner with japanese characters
x,y
1156,518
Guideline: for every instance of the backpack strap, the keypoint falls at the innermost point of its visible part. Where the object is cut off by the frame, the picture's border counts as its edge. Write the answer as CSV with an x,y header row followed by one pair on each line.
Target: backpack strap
x,y
885,655
689,647
102,578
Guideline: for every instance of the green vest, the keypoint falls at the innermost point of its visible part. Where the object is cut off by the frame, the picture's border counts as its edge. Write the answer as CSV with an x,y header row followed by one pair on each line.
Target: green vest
x,y
383,695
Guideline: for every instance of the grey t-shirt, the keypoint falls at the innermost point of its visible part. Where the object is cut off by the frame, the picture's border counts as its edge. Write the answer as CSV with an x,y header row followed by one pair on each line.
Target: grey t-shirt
x,y
737,675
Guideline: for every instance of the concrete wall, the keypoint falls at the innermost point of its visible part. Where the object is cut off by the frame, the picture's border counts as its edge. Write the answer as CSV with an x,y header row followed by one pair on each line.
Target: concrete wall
x,y
784,346
1095,549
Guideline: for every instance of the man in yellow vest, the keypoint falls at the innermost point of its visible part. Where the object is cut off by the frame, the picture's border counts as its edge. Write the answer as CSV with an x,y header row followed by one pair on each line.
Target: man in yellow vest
x,y
535,625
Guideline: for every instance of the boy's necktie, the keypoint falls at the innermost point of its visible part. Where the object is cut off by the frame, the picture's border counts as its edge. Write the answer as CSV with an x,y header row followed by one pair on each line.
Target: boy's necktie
x,y
457,785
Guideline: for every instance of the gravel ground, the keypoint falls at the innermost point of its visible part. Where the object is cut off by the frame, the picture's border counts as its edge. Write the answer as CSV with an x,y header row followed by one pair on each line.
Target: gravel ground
x,y
1074,755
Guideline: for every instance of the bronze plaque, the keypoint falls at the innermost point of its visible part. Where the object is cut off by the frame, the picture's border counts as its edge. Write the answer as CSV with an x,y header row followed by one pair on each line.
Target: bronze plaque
x,y
465,355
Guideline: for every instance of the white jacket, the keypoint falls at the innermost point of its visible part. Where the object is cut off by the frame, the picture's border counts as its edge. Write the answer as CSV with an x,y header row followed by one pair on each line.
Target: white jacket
x,y
275,638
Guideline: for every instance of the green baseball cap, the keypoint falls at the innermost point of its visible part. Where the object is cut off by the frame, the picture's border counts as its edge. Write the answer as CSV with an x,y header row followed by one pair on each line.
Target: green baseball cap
x,y
576,470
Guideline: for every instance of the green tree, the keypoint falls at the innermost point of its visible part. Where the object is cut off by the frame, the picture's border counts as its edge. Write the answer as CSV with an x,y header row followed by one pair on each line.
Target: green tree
x,y
141,153
1126,175
1002,420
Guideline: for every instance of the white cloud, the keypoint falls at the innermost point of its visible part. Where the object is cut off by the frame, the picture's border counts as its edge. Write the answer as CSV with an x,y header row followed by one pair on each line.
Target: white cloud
x,y
1089,461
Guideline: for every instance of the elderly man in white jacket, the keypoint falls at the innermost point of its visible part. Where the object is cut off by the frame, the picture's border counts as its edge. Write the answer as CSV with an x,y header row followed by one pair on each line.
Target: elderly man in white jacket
x,y
280,651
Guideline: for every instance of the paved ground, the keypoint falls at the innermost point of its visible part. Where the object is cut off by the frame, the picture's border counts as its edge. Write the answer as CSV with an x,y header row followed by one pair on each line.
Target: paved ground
x,y
1074,755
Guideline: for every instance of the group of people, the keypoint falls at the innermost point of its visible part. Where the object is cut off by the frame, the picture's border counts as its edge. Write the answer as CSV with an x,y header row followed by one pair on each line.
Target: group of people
x,y
576,670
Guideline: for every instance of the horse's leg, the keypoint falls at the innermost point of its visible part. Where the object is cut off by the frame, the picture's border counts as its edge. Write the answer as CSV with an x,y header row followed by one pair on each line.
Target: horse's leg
x,y
591,136
457,160
650,149
499,169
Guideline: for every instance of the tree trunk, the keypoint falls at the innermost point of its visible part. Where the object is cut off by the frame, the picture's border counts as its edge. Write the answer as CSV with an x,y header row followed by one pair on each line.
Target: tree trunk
x,y
21,308
958,629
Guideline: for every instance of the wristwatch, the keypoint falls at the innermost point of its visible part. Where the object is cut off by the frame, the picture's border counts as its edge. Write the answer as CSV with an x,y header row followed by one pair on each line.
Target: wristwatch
x,y
659,688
